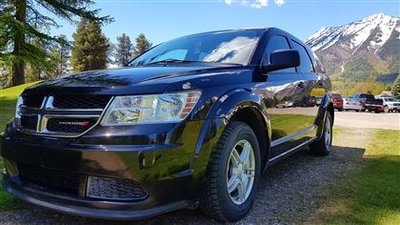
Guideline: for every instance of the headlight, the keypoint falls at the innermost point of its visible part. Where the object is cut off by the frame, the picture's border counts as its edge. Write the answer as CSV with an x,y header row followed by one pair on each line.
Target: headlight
x,y
20,102
145,109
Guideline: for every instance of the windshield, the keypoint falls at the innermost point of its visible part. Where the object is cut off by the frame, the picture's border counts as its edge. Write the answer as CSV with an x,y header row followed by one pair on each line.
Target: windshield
x,y
235,47
390,99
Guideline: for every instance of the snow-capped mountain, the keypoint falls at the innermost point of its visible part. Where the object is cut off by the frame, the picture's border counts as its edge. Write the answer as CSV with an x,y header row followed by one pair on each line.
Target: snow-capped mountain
x,y
374,40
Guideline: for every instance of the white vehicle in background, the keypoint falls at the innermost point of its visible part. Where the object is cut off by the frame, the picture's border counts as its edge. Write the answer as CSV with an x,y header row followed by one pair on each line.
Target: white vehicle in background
x,y
390,104
352,104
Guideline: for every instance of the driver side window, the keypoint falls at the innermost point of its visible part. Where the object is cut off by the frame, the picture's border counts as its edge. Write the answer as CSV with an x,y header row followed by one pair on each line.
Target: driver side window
x,y
277,42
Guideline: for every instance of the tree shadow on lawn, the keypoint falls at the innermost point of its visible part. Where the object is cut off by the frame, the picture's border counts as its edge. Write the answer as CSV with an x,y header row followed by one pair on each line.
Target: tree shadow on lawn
x,y
289,192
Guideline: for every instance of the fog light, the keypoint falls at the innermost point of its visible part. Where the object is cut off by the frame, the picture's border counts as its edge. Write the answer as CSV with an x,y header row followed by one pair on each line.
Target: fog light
x,y
114,189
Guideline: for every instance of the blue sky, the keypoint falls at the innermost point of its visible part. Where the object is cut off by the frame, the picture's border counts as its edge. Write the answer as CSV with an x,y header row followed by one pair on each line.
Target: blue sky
x,y
161,20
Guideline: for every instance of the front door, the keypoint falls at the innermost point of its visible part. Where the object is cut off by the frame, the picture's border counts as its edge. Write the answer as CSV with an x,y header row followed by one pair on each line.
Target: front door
x,y
291,109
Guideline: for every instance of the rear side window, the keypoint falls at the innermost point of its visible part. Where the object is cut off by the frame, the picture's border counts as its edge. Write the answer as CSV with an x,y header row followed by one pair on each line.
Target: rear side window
x,y
337,96
305,61
277,42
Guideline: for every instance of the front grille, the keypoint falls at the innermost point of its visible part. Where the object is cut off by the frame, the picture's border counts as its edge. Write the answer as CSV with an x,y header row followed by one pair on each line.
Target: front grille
x,y
34,101
70,125
81,102
114,189
61,115
49,178
29,122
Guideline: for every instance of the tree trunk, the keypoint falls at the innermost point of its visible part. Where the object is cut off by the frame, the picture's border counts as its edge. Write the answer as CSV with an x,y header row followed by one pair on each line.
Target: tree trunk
x,y
18,66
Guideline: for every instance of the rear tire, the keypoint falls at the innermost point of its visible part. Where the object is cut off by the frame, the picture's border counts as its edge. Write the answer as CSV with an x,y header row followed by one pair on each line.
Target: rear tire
x,y
323,146
227,194
386,109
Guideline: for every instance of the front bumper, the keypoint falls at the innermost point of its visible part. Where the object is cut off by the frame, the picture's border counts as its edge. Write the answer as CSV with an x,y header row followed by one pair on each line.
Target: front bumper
x,y
163,169
102,210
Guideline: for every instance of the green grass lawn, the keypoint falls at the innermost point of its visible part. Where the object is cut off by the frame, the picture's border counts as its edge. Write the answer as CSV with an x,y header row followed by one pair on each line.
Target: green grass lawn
x,y
372,194
8,99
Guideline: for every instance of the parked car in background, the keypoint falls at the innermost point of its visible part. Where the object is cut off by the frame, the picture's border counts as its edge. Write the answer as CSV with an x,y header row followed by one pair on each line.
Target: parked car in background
x,y
337,102
369,102
285,104
352,104
390,104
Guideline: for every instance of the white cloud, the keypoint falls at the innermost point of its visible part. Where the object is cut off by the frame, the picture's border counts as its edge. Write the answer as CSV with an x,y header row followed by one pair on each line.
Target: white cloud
x,y
228,2
279,2
257,4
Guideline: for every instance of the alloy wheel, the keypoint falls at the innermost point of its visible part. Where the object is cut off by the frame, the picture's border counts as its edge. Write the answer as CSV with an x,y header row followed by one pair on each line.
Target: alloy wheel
x,y
240,172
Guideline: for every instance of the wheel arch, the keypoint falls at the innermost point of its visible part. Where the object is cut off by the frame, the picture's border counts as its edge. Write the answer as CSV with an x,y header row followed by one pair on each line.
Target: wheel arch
x,y
325,107
238,105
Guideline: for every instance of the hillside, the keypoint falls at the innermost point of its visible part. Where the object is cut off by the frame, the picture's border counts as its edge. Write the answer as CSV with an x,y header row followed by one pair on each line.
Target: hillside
x,y
359,50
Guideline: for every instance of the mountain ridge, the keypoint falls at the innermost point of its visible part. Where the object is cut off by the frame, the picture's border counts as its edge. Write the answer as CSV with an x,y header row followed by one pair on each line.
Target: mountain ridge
x,y
360,49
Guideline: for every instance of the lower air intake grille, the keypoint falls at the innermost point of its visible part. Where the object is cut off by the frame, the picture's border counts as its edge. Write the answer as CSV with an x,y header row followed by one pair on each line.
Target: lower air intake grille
x,y
53,179
114,189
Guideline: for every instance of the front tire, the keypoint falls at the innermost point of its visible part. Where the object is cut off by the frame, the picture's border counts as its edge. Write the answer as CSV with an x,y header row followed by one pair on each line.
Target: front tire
x,y
232,175
323,146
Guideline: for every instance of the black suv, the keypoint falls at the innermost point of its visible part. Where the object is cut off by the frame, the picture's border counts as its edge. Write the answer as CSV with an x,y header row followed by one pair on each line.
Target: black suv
x,y
191,122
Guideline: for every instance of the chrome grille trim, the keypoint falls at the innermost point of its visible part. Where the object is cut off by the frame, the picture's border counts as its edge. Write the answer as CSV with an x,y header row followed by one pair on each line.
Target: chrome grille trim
x,y
47,111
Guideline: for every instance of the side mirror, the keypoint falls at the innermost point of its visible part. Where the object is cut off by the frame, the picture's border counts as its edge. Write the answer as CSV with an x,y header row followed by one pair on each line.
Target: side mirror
x,y
282,59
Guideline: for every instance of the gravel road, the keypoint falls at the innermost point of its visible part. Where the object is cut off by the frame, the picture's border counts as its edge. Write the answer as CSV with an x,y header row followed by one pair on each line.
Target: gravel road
x,y
368,120
290,192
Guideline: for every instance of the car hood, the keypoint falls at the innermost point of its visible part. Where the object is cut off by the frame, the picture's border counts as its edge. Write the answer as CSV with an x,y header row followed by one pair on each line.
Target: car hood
x,y
135,80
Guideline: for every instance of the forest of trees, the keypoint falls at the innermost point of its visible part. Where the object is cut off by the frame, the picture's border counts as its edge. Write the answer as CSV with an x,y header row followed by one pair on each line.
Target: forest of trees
x,y
28,52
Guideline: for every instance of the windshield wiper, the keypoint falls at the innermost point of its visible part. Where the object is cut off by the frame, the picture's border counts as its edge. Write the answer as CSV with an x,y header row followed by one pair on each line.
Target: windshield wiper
x,y
172,61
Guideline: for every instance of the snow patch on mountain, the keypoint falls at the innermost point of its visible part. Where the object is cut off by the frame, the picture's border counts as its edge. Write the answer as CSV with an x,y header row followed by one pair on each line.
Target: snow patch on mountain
x,y
376,28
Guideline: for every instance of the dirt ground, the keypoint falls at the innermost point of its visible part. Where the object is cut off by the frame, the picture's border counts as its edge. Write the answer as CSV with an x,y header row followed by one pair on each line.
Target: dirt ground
x,y
368,120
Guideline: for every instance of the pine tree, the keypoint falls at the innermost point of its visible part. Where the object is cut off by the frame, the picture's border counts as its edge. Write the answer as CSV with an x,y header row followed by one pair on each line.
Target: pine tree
x,y
396,87
61,53
90,47
22,19
142,44
36,71
123,50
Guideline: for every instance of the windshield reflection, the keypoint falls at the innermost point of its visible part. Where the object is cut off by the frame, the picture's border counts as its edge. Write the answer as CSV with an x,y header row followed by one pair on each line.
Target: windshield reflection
x,y
237,50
